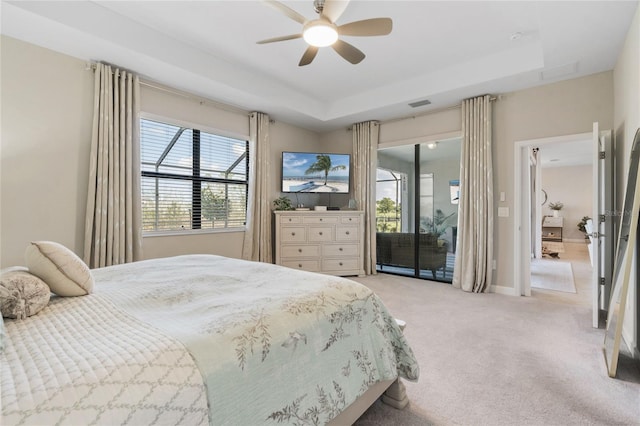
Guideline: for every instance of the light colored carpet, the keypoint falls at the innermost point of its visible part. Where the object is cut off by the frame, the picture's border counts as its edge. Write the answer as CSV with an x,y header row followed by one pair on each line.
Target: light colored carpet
x,y
552,274
491,359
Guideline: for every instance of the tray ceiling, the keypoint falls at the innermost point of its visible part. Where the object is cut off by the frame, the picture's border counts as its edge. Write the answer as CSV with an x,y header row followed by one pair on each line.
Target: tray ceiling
x,y
441,51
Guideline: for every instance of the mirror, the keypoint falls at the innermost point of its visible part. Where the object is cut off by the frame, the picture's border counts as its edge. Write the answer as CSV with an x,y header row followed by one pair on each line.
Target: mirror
x,y
623,262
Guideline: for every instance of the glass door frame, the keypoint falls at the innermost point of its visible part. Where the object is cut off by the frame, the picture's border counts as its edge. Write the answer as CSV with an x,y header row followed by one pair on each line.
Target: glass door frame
x,y
412,205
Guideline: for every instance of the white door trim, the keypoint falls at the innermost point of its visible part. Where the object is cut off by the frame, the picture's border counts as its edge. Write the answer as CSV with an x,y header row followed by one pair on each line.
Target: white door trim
x,y
521,217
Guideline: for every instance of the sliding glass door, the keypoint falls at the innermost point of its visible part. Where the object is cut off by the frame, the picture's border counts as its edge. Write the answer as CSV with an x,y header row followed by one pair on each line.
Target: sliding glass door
x,y
417,208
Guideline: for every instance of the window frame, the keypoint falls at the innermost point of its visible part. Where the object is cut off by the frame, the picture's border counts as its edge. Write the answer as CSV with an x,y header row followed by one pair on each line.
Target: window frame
x,y
163,175
399,178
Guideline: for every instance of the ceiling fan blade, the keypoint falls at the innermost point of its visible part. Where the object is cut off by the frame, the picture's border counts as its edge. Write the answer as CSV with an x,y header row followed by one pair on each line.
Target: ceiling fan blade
x,y
333,9
348,52
367,27
283,38
308,56
286,10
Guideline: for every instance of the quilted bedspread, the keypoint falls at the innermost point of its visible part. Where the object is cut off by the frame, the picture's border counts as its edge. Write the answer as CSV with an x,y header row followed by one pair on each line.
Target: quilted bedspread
x,y
81,361
272,344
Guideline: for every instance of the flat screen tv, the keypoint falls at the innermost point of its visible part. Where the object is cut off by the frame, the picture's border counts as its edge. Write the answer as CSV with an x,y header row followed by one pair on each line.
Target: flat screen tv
x,y
315,172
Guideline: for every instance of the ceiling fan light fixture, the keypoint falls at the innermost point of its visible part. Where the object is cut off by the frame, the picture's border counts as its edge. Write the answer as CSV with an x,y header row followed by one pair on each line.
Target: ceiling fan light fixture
x,y
320,33
323,31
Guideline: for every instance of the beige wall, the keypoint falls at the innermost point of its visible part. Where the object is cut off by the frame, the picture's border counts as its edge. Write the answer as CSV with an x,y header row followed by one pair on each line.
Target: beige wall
x,y
285,137
563,108
159,103
573,187
45,141
46,135
41,139
222,120
420,127
626,82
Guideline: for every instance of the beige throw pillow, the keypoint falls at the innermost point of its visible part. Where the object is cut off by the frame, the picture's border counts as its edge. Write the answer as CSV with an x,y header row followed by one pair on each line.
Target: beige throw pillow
x,y
64,272
22,294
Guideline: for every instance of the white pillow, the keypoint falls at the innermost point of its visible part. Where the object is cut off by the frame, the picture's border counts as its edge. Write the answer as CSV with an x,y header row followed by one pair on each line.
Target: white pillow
x,y
22,294
64,272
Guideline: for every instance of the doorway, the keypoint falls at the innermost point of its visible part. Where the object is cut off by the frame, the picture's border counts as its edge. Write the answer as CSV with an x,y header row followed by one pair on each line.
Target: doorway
x,y
417,209
528,199
528,207
560,263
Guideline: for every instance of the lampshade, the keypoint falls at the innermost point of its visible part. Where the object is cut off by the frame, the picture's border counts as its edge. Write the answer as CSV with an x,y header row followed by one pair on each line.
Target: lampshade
x,y
320,33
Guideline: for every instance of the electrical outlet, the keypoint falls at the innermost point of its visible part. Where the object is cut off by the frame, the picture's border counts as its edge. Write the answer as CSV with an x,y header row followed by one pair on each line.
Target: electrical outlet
x,y
503,211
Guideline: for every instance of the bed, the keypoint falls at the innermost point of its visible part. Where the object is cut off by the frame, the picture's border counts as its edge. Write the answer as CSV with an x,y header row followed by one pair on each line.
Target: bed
x,y
203,339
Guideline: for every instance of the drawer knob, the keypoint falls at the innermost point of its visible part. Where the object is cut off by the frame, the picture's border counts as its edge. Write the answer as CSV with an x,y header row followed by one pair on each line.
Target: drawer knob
x,y
299,265
299,250
350,219
320,233
340,263
289,219
293,233
320,219
340,249
347,232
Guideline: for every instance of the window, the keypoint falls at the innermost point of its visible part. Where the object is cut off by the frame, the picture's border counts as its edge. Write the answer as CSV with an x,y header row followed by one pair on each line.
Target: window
x,y
191,179
389,200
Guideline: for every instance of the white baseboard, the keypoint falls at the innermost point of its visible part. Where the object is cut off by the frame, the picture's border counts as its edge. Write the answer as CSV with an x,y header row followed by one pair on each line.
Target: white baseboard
x,y
499,289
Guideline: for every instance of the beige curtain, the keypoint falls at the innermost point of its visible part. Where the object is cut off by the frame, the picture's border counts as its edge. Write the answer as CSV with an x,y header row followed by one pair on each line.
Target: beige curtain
x,y
257,236
474,256
365,161
113,231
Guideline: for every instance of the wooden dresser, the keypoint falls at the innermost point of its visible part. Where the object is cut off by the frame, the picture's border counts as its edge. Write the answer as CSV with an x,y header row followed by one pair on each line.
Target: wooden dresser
x,y
330,242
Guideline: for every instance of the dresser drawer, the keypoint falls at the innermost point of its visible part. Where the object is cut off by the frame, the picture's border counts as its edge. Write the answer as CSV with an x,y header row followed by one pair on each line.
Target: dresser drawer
x,y
290,219
300,251
305,265
320,219
347,233
292,234
320,233
349,264
320,241
340,250
350,219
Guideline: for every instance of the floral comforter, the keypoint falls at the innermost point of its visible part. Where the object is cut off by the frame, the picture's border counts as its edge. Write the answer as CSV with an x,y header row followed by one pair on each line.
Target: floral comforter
x,y
274,345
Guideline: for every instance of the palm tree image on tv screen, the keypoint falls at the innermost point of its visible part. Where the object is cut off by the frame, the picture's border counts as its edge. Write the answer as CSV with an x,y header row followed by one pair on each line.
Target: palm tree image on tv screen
x,y
313,172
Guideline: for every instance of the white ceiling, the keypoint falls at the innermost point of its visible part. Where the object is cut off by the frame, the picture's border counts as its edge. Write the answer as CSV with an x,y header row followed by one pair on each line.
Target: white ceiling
x,y
443,51
567,154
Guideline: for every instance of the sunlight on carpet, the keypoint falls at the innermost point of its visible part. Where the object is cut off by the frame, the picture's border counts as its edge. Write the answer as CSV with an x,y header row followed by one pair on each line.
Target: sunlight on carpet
x,y
552,274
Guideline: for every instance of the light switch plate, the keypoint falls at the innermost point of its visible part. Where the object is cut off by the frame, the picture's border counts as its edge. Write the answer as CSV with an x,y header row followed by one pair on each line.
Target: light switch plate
x,y
503,211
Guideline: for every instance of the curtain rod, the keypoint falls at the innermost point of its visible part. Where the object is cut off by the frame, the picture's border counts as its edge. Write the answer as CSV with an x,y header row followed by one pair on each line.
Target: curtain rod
x,y
159,86
201,99
230,108
435,111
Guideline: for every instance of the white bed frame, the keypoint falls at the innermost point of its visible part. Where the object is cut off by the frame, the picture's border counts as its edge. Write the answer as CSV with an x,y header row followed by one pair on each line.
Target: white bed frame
x,y
393,393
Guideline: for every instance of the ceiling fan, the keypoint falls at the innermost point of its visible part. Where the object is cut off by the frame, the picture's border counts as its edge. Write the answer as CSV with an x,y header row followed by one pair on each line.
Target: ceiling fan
x,y
323,31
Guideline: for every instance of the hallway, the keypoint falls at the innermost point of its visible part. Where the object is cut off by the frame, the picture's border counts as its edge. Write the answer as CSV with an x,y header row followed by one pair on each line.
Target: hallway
x,y
578,255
